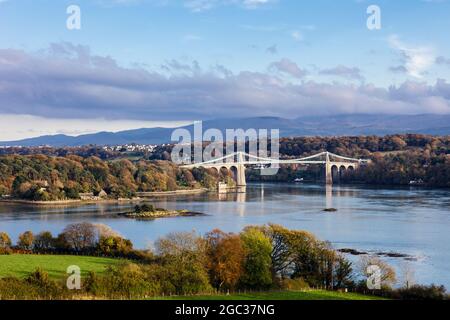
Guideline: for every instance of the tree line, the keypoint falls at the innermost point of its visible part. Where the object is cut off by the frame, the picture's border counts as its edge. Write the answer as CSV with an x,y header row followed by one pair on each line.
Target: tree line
x,y
44,178
396,159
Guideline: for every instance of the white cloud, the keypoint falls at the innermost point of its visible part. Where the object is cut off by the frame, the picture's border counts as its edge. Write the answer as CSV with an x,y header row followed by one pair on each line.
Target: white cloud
x,y
70,82
417,59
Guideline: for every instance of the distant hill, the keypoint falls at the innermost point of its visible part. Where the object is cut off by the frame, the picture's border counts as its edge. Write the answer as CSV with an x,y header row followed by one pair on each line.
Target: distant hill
x,y
336,125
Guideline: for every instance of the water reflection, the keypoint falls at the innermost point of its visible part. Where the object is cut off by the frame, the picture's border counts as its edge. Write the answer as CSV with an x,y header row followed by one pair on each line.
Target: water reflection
x,y
329,196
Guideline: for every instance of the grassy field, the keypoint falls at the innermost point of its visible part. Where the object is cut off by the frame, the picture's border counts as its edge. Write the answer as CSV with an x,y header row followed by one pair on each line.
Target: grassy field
x,y
56,266
282,295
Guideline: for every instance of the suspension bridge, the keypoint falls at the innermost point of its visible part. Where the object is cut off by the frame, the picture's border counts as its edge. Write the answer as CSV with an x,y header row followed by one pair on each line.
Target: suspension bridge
x,y
335,165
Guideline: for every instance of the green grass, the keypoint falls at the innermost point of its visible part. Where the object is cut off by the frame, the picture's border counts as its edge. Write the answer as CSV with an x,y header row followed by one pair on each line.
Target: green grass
x,y
282,295
21,265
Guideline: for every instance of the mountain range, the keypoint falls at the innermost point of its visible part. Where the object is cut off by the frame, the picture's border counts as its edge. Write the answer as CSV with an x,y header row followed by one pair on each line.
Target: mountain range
x,y
333,125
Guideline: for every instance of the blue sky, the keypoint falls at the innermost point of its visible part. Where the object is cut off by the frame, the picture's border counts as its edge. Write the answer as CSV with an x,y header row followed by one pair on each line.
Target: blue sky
x,y
183,60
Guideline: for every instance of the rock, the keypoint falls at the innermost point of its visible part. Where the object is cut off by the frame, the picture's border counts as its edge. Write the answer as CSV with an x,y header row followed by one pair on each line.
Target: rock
x,y
353,252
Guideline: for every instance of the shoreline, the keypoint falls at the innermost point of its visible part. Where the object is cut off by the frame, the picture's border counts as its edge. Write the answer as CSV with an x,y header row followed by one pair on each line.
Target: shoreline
x,y
142,196
172,193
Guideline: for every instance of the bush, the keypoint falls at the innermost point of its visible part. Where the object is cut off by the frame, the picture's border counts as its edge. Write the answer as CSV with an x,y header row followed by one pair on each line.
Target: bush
x,y
294,284
114,246
46,288
12,288
144,208
418,292
5,251
130,281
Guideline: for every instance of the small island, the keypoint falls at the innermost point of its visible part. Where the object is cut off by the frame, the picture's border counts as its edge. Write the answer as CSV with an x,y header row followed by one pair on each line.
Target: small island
x,y
148,211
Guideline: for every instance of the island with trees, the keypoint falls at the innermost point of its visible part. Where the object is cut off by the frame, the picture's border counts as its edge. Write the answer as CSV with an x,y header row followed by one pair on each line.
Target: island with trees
x,y
148,211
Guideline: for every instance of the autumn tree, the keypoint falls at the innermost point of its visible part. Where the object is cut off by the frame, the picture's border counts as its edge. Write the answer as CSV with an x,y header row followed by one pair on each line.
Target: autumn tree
x,y
388,276
26,240
5,240
226,256
80,236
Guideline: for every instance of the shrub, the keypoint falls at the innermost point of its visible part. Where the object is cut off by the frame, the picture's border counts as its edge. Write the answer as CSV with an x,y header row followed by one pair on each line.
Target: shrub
x,y
418,292
44,286
114,246
12,288
144,208
126,281
294,284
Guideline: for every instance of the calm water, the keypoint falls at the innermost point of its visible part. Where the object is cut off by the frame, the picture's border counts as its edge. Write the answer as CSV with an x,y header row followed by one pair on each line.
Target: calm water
x,y
408,221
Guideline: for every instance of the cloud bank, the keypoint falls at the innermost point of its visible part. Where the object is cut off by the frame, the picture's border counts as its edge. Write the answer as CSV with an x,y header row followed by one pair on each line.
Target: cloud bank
x,y
68,81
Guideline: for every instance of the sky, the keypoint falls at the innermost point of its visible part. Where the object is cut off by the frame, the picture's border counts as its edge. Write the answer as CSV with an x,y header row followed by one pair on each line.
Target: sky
x,y
136,63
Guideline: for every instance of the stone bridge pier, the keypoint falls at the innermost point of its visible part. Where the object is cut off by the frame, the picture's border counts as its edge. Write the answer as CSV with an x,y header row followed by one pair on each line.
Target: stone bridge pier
x,y
237,170
334,171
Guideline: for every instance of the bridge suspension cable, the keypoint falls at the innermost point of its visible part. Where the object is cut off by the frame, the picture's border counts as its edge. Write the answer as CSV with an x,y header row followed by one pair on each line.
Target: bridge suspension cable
x,y
253,159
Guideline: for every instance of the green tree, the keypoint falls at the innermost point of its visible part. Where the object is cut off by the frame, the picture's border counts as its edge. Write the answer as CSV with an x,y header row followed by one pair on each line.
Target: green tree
x,y
44,241
258,260
183,257
343,273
